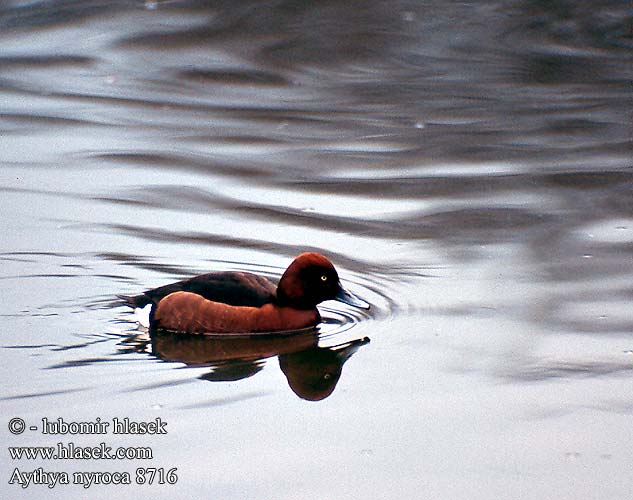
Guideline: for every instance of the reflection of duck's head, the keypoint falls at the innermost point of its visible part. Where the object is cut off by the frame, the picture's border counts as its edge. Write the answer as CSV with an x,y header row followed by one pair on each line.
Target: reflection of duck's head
x,y
313,374
309,280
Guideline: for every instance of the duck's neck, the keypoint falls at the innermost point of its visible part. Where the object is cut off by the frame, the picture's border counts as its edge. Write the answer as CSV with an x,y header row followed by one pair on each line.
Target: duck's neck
x,y
290,293
282,299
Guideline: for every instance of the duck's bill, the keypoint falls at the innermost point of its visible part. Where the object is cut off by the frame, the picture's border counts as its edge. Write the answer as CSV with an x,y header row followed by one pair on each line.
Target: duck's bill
x,y
350,299
345,351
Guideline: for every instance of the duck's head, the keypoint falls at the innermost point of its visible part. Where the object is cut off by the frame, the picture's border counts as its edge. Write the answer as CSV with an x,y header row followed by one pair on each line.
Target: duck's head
x,y
311,279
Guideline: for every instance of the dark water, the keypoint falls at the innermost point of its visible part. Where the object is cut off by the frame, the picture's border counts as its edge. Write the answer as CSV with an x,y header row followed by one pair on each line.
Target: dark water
x,y
465,165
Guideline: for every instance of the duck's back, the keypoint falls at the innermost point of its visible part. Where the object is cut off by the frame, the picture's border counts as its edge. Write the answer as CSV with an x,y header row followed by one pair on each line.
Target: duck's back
x,y
229,287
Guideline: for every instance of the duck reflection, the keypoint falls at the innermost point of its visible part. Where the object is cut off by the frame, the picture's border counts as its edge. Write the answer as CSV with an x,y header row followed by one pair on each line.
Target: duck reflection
x,y
312,371
312,374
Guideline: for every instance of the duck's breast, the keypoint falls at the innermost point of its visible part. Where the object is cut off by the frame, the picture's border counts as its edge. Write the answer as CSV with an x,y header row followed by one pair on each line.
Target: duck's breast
x,y
188,312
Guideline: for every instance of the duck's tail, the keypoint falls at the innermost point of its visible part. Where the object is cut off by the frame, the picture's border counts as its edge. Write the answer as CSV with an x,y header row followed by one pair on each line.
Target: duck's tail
x,y
135,301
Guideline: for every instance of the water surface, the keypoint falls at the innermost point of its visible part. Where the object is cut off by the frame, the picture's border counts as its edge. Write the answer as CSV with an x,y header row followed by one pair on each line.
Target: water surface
x,y
465,165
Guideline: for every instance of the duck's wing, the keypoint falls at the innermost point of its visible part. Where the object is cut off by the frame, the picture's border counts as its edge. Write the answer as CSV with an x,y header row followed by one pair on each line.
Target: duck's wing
x,y
231,287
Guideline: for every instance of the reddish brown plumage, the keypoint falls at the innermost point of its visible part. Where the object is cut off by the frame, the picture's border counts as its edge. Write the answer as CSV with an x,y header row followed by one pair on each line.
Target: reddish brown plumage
x,y
240,302
187,312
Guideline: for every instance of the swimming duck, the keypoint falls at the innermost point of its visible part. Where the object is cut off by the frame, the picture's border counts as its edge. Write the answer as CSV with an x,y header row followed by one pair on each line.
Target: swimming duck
x,y
242,302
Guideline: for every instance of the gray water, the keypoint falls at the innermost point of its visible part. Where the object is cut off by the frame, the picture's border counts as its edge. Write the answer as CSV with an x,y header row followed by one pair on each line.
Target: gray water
x,y
465,165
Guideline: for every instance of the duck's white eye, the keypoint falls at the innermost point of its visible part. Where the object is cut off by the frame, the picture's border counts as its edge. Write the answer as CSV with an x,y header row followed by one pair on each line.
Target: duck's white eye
x,y
324,278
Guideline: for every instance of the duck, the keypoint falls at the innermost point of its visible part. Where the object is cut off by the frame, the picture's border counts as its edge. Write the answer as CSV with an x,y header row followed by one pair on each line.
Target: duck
x,y
243,302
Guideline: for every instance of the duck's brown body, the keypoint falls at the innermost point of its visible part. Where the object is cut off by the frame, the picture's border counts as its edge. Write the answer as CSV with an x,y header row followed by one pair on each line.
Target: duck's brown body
x,y
239,302
187,312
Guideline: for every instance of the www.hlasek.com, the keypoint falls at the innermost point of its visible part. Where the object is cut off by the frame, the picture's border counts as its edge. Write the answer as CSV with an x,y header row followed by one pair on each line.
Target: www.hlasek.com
x,y
71,451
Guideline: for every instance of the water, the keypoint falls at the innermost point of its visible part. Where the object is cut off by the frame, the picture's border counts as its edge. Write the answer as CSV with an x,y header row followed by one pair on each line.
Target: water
x,y
466,166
